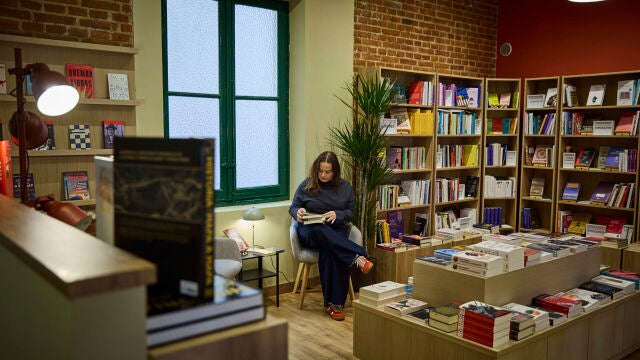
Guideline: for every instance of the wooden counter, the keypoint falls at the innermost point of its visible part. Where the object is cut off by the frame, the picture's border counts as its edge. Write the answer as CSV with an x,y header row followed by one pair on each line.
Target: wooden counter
x,y
66,294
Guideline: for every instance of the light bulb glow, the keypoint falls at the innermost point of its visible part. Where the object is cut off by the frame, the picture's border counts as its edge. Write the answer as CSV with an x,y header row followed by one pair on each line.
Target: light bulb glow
x,y
58,100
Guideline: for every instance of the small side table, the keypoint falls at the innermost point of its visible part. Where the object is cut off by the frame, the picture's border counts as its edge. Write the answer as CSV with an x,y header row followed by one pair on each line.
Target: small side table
x,y
260,273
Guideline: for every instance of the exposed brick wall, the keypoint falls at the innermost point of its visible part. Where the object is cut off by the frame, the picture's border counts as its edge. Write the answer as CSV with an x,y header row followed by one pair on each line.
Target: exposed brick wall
x,y
106,22
446,36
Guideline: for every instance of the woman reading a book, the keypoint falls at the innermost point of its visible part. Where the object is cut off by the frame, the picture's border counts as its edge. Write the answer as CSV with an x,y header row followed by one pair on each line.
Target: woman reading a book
x,y
325,192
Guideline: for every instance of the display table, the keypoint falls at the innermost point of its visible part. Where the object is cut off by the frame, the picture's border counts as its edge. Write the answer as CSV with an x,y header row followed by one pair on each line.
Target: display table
x,y
265,339
609,332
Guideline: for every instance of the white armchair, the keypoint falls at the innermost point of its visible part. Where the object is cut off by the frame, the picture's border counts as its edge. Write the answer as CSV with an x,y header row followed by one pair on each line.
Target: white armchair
x,y
227,262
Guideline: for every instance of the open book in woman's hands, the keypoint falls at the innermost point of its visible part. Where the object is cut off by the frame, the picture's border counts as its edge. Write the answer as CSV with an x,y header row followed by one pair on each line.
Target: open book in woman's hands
x,y
310,218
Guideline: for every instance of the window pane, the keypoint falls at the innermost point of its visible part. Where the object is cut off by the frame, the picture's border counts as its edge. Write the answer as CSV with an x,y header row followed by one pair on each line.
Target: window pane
x,y
192,46
196,117
256,143
256,51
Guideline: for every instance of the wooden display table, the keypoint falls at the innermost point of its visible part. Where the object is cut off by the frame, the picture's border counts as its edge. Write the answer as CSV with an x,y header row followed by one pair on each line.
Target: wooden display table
x,y
392,266
609,332
265,339
611,257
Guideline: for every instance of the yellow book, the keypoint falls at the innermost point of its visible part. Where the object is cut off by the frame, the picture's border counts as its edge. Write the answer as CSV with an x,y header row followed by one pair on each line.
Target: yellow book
x,y
427,118
470,155
414,120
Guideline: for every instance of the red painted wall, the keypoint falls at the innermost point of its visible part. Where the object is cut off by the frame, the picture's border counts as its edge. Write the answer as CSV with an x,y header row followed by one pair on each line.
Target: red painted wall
x,y
558,37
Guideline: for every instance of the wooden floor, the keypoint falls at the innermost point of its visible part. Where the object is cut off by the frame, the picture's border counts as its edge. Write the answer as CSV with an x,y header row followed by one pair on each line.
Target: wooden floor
x,y
313,335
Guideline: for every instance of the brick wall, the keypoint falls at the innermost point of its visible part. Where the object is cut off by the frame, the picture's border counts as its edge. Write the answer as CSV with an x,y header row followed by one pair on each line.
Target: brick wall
x,y
108,22
456,37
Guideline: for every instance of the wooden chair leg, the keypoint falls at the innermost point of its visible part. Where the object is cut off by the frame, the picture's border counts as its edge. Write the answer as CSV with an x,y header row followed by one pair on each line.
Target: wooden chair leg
x,y
298,275
352,294
303,289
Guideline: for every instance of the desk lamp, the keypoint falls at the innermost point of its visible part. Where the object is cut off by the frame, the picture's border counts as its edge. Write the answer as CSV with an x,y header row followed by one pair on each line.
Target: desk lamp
x,y
253,214
54,96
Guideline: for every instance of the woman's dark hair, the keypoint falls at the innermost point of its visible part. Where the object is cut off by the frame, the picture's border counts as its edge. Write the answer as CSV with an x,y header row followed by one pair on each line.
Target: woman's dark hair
x,y
313,183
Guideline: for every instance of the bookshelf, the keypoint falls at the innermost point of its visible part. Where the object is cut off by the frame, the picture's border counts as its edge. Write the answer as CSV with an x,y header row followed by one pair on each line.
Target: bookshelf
x,y
500,161
414,166
538,134
47,166
578,139
459,131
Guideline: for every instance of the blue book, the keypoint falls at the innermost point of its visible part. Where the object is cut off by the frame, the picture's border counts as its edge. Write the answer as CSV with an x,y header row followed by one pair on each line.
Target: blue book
x,y
445,254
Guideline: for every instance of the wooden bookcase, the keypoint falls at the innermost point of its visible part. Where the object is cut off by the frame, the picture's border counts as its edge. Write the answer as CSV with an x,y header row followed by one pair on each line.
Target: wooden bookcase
x,y
507,138
47,166
544,205
403,79
446,137
568,140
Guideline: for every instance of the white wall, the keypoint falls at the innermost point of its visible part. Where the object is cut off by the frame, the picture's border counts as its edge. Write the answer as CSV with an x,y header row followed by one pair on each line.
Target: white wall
x,y
321,59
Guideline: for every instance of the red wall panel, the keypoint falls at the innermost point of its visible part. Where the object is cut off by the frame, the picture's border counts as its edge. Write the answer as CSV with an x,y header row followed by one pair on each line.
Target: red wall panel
x,y
559,37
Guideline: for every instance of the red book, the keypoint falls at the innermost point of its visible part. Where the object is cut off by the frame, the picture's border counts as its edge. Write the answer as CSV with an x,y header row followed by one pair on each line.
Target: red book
x,y
6,172
616,224
489,314
415,92
81,77
557,303
473,325
485,341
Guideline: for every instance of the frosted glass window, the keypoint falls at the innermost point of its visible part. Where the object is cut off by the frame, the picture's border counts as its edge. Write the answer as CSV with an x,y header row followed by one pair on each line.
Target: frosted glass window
x,y
256,51
192,46
196,117
256,143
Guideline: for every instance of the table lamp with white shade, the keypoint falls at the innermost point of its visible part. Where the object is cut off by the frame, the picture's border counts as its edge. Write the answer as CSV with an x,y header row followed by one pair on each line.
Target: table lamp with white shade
x,y
253,214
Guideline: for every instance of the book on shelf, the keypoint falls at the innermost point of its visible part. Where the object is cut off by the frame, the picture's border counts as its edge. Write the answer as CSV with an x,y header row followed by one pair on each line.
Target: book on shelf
x,y
230,296
112,129
552,97
590,300
473,94
625,124
579,223
612,160
382,289
76,185
6,170
566,306
585,158
163,210
421,224
50,143
571,95
571,190
596,94
505,100
388,126
543,156
603,127
536,101
31,187
493,100
234,304
310,218
81,77
568,160
603,151
405,306
602,193
471,186
118,86
79,137
540,316
233,233
625,95
3,81
537,187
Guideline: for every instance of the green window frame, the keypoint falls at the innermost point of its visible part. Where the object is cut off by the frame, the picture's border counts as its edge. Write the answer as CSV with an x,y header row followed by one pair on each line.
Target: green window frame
x,y
228,193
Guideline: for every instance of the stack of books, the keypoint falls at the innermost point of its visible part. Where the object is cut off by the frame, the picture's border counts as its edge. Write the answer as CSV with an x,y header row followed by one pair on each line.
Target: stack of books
x,y
625,286
445,254
540,317
532,256
382,293
568,307
624,275
483,323
556,250
444,318
477,263
235,303
521,326
612,292
574,247
434,260
513,255
405,306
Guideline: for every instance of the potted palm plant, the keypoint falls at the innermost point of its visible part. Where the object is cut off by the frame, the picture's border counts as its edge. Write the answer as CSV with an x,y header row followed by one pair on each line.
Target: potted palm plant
x,y
361,146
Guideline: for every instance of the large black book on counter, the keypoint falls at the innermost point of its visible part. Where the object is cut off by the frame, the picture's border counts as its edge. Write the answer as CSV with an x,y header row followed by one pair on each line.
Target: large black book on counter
x,y
163,212
235,303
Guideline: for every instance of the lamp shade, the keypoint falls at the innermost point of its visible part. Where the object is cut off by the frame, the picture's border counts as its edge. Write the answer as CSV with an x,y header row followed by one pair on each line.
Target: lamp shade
x,y
36,130
54,96
65,212
253,214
